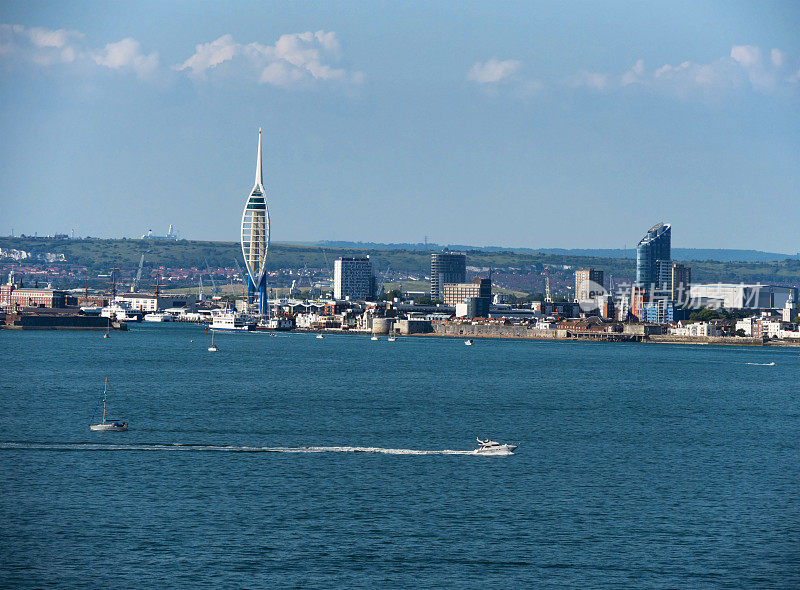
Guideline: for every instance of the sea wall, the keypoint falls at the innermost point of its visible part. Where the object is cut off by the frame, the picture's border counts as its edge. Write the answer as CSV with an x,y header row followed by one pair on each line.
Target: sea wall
x,y
731,340
491,331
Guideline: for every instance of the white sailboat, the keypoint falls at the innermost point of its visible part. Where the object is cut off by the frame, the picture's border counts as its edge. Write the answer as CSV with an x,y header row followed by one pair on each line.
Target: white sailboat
x,y
213,347
108,424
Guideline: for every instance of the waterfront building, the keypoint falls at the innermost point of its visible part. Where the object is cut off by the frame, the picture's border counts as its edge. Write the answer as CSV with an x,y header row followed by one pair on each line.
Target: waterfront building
x,y
146,302
742,296
654,260
255,238
588,284
680,282
446,267
658,311
479,290
353,278
11,295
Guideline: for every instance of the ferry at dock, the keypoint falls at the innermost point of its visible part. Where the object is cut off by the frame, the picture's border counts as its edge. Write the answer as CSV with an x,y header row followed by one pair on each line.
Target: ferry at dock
x,y
231,321
121,311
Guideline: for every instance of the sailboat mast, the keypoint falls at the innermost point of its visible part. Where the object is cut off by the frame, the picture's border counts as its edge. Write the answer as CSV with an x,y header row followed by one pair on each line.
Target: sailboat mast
x,y
105,389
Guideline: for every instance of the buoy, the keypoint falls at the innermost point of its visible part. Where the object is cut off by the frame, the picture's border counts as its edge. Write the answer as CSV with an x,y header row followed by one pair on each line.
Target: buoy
x,y
191,340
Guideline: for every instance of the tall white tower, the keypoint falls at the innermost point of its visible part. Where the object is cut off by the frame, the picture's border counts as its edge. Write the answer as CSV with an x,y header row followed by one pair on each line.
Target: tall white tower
x,y
255,237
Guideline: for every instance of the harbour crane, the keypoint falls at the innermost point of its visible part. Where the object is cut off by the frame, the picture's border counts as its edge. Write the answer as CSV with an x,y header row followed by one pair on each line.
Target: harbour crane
x,y
135,282
200,294
214,287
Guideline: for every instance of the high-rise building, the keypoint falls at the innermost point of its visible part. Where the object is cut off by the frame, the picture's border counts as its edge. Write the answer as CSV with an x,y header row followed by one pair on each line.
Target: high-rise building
x,y
588,284
681,281
255,238
477,294
654,260
446,267
353,278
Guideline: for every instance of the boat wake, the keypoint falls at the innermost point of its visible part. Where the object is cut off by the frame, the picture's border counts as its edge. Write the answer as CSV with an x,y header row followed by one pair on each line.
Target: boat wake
x,y
180,447
772,364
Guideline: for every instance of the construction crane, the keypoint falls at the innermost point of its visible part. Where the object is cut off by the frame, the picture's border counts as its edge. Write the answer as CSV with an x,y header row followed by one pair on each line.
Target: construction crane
x,y
200,294
135,282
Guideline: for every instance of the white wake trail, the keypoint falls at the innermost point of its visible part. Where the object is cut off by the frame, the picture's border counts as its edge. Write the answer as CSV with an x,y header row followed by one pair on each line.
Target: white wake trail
x,y
179,447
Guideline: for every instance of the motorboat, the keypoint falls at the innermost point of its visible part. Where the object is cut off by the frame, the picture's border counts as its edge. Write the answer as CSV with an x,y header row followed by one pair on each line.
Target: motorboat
x,y
108,424
490,447
468,342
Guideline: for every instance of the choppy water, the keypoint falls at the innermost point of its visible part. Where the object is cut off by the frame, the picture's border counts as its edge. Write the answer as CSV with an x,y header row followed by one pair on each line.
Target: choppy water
x,y
343,462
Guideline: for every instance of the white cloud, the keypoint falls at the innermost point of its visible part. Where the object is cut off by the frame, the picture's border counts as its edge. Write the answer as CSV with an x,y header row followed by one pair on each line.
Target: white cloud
x,y
44,47
209,55
127,54
594,80
493,71
746,55
294,59
48,47
744,67
633,75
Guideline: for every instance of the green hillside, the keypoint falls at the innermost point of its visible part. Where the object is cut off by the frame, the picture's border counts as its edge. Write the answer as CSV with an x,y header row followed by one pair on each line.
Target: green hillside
x,y
98,255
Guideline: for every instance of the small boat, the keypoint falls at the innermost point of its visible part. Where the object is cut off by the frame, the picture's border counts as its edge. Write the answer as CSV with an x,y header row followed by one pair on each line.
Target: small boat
x,y
490,447
392,338
106,335
108,424
772,364
213,347
468,342
320,336
374,338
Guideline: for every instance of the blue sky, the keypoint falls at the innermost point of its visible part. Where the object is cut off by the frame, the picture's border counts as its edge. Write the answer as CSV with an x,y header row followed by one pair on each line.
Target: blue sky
x,y
576,124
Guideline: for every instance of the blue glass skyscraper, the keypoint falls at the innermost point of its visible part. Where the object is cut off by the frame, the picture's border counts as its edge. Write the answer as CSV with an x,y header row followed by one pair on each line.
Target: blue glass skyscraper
x,y
654,259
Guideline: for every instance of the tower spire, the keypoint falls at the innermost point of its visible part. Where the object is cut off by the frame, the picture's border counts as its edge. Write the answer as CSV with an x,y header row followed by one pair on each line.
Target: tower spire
x,y
259,181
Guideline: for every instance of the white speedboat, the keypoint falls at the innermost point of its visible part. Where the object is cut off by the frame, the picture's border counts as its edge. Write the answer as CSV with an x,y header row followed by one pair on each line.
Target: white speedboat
x,y
468,342
490,447
108,424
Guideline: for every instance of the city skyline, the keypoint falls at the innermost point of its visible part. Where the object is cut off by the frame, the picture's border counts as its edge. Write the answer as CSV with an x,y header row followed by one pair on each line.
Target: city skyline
x,y
689,121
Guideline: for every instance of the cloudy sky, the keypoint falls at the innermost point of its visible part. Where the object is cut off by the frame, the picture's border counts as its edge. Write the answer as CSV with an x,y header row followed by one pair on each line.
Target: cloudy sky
x,y
557,124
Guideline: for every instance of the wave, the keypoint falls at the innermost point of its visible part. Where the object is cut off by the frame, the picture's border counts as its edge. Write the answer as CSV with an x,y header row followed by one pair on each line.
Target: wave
x,y
180,447
772,364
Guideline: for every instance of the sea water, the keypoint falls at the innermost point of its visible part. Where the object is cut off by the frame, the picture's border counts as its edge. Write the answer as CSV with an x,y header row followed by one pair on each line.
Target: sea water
x,y
288,461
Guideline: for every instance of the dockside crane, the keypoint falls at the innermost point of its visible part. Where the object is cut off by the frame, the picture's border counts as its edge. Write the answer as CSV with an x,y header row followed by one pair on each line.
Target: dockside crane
x,y
135,282
214,287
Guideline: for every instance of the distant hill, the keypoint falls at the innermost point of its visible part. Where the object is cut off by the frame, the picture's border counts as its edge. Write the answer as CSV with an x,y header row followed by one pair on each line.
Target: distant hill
x,y
98,255
720,255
